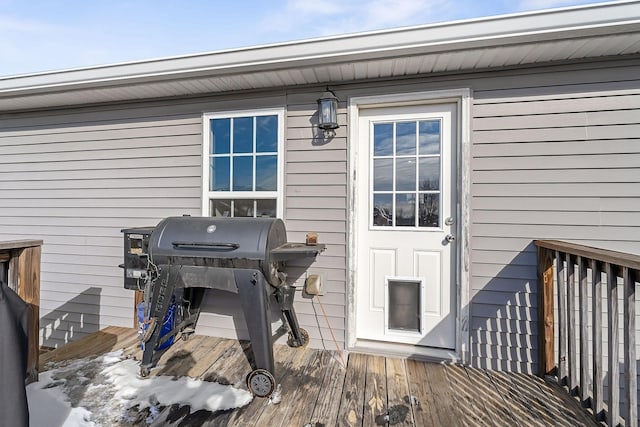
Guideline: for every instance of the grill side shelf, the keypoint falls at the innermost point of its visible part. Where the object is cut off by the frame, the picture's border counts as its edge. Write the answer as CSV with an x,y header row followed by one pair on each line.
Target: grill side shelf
x,y
290,251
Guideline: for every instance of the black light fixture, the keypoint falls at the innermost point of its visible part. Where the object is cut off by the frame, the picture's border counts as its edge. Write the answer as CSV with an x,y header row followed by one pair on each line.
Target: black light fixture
x,y
328,112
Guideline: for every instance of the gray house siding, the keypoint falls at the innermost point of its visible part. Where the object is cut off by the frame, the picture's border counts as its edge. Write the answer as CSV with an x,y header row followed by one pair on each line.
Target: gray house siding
x,y
555,154
76,177
551,164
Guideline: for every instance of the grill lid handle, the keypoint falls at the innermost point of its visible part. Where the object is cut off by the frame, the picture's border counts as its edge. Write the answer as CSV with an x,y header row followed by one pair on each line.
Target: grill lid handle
x,y
216,246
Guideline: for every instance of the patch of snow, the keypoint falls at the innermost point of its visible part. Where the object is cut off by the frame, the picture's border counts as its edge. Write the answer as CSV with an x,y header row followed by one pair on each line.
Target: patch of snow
x,y
95,392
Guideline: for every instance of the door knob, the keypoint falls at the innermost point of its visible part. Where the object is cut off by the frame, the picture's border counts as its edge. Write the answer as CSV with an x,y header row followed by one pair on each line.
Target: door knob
x,y
450,238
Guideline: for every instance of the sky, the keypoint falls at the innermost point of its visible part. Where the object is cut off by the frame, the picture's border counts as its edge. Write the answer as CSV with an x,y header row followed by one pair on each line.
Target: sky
x,y
44,35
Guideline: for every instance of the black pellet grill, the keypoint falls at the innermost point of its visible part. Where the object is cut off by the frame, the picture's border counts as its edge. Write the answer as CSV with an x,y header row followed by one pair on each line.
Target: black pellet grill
x,y
181,257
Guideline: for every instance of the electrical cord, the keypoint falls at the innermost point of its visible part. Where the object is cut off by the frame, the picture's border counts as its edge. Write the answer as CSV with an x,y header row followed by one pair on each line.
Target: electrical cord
x,y
335,341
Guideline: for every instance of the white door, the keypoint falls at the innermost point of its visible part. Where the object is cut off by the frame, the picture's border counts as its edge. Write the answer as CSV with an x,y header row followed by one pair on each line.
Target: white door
x,y
406,184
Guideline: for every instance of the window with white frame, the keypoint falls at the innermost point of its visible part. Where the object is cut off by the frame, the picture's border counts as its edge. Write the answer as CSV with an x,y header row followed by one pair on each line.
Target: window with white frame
x,y
243,163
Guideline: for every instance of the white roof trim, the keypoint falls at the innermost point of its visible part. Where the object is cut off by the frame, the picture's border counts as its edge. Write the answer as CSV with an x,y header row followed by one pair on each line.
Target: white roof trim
x,y
604,19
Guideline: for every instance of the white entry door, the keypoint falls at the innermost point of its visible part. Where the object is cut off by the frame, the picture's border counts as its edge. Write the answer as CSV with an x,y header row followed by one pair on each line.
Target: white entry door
x,y
406,184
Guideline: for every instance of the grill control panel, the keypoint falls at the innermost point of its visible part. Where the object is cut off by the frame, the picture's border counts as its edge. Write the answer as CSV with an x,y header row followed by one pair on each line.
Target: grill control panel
x,y
136,257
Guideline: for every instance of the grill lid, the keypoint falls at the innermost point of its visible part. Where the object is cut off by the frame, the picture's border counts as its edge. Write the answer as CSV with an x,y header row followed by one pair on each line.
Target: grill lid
x,y
213,237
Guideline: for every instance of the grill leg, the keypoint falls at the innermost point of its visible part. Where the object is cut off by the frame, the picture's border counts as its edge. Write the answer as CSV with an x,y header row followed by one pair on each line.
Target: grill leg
x,y
284,296
161,292
252,290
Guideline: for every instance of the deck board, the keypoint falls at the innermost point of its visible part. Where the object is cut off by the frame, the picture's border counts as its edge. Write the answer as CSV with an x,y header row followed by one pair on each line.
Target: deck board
x,y
423,405
472,408
446,403
316,388
398,400
287,373
307,390
350,413
326,407
375,393
497,409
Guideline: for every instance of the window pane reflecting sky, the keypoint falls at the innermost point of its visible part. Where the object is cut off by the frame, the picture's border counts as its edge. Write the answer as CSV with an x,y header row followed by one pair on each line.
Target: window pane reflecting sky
x,y
405,138
243,173
267,134
266,173
243,135
220,136
382,139
429,131
220,174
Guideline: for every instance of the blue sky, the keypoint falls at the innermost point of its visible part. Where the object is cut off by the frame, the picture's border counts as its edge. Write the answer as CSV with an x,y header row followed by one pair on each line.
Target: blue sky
x,y
41,35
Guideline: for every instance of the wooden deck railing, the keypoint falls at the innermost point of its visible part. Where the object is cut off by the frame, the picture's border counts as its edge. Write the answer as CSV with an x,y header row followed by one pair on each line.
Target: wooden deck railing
x,y
573,363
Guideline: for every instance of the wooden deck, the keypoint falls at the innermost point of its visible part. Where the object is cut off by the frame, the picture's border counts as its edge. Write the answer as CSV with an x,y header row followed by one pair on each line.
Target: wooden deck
x,y
372,391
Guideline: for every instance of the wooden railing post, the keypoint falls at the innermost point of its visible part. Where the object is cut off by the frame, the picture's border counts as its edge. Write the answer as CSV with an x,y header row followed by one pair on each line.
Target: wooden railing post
x,y
545,312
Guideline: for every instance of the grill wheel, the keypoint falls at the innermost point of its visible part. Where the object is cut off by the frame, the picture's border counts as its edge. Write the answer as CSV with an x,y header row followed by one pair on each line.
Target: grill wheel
x,y
304,337
261,383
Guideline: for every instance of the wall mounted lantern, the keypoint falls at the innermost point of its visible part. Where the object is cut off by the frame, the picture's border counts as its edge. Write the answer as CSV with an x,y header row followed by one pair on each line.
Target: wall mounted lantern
x,y
328,112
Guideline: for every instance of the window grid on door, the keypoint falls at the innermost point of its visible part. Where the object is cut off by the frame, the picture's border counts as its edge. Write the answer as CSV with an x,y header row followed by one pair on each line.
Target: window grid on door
x,y
406,177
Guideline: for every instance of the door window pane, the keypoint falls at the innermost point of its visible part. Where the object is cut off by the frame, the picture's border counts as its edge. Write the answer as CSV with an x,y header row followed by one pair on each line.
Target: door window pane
x,y
429,131
429,174
383,210
266,134
383,139
383,174
220,178
429,210
405,138
243,173
406,174
405,210
220,136
243,135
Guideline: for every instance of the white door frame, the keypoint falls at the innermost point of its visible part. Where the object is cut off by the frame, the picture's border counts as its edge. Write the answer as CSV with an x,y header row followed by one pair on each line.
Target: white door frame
x,y
462,98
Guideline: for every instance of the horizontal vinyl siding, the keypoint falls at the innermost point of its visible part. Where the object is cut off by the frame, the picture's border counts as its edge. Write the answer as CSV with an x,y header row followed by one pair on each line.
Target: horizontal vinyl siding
x,y
555,161
75,182
76,178
316,200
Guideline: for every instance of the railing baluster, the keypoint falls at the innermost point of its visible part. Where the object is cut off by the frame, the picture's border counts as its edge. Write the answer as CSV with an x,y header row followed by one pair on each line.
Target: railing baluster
x,y
630,369
613,335
596,323
584,331
562,319
571,325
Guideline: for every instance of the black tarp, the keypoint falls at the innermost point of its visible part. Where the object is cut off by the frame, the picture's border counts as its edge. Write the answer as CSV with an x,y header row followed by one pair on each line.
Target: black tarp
x,y
14,317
